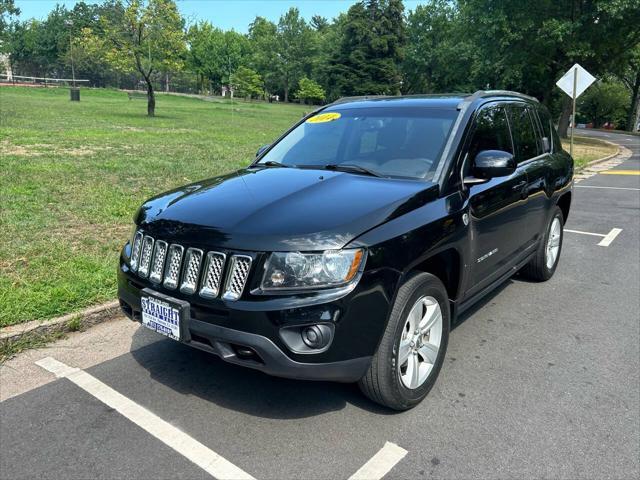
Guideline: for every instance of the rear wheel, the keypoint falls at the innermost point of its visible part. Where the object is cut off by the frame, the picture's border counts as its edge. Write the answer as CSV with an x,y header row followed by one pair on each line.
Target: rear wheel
x,y
413,347
543,265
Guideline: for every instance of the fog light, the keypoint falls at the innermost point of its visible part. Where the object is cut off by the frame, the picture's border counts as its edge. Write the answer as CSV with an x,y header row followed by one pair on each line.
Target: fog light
x,y
316,336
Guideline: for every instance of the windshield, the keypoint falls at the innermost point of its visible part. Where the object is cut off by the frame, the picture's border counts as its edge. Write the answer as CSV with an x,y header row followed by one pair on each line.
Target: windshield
x,y
390,141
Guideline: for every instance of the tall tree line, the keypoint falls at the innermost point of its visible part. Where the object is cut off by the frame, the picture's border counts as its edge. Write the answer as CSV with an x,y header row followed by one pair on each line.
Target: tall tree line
x,y
376,47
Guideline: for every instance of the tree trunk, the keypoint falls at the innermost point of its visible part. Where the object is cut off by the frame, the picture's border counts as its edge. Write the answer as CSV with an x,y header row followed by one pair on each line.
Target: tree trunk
x,y
151,100
634,108
563,122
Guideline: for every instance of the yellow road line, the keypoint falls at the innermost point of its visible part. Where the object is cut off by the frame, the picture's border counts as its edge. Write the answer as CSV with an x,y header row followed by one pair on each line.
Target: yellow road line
x,y
621,172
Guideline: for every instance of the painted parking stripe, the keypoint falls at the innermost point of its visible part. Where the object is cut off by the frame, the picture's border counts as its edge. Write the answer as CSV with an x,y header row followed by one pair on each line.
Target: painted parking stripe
x,y
182,443
381,463
621,172
610,237
606,239
611,188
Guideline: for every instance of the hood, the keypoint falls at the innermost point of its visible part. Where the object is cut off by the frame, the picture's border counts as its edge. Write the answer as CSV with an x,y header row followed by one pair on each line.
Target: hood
x,y
280,209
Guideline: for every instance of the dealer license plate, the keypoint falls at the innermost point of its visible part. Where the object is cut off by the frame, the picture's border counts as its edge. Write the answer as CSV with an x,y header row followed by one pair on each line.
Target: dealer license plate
x,y
163,315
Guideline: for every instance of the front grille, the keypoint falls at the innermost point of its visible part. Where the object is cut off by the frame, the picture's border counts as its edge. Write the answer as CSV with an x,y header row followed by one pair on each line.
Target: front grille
x,y
164,265
192,270
172,270
145,256
212,274
237,277
157,265
135,251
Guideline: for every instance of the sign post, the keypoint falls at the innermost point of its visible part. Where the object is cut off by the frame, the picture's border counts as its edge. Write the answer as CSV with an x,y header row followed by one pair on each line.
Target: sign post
x,y
574,82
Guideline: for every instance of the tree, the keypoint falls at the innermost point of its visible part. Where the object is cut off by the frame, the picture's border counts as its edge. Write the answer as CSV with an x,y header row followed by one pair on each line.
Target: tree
x,y
372,49
629,74
147,38
605,101
215,54
528,49
310,91
437,54
8,10
263,44
295,50
246,82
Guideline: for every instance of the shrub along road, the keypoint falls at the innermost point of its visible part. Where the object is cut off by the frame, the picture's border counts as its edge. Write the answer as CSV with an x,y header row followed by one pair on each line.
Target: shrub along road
x,y
541,381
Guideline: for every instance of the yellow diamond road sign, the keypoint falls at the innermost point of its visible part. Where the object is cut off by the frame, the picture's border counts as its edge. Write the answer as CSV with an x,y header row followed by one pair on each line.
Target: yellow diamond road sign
x,y
582,79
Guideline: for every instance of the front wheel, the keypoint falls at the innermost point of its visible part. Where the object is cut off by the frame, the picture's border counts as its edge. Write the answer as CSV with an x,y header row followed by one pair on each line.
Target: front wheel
x,y
412,350
544,263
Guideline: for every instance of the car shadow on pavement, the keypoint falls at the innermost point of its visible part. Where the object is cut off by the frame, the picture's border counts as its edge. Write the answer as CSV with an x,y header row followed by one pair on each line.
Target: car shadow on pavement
x,y
194,372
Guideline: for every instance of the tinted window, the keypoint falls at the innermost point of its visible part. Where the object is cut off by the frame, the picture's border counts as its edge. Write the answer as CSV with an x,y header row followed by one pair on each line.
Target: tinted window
x,y
545,120
491,131
525,136
403,142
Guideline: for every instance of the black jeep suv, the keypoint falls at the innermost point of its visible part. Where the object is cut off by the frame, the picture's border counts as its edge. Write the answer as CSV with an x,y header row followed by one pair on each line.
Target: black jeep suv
x,y
348,247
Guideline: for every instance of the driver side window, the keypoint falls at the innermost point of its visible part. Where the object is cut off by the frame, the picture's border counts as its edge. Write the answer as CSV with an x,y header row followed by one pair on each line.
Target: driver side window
x,y
491,131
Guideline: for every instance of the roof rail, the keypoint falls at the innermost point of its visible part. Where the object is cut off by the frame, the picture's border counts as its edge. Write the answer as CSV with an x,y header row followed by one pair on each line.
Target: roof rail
x,y
356,98
499,93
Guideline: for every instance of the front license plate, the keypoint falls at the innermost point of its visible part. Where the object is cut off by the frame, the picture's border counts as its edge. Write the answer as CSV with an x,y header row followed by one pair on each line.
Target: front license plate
x,y
163,315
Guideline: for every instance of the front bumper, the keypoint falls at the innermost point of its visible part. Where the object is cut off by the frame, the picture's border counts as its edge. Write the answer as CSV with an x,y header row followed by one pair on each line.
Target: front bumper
x,y
248,332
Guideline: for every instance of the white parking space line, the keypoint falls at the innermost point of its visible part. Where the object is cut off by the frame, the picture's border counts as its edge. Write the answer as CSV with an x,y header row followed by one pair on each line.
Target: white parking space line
x,y
584,233
611,188
381,463
182,443
610,237
606,239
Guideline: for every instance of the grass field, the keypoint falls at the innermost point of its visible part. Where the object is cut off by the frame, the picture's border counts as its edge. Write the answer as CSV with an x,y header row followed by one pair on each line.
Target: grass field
x,y
73,174
587,149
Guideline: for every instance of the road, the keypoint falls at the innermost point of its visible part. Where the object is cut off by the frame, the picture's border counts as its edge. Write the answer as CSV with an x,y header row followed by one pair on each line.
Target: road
x,y
542,380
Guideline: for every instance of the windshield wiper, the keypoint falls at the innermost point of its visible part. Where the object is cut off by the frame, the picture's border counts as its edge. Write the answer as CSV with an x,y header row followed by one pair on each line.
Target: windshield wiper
x,y
347,167
271,163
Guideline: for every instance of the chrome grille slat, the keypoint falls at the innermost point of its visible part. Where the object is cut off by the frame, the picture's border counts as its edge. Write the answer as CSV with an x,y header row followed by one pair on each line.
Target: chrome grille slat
x,y
237,277
212,274
135,251
157,264
172,268
145,256
191,273
163,264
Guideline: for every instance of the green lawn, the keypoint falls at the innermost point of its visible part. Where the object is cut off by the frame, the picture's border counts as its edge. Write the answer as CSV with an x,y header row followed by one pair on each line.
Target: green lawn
x,y
587,149
73,174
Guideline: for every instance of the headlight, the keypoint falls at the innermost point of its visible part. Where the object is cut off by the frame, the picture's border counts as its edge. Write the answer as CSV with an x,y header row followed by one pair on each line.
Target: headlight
x,y
295,270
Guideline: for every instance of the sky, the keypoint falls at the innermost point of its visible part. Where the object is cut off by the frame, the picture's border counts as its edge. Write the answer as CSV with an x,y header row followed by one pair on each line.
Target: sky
x,y
226,14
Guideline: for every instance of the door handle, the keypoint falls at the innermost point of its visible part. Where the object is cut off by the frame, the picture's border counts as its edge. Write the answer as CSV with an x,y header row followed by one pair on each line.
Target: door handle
x,y
519,185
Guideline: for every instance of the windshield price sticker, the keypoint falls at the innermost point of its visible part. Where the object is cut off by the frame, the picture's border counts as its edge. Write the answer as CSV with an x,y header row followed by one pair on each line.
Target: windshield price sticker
x,y
324,117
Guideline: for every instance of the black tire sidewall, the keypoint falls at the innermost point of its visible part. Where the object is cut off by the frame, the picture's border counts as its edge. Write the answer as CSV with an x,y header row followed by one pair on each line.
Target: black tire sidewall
x,y
557,213
430,286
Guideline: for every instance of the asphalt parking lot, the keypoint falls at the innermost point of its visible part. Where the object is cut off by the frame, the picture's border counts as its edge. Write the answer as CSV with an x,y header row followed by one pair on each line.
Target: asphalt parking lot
x,y
542,380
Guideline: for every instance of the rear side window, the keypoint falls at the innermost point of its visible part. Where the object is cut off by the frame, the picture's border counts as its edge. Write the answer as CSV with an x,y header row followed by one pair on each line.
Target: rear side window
x,y
525,136
491,131
545,120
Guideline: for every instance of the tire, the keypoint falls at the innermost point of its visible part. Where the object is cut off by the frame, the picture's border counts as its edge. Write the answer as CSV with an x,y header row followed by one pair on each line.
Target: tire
x,y
386,382
539,268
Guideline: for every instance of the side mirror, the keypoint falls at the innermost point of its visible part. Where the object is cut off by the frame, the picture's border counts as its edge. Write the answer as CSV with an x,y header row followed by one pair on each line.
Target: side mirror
x,y
262,149
493,163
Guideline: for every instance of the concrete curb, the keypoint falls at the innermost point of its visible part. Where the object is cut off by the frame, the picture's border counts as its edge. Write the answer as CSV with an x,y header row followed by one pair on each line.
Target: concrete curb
x,y
84,318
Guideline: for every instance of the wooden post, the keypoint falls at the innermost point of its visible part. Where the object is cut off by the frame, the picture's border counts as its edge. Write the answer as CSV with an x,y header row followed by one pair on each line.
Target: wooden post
x,y
573,115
